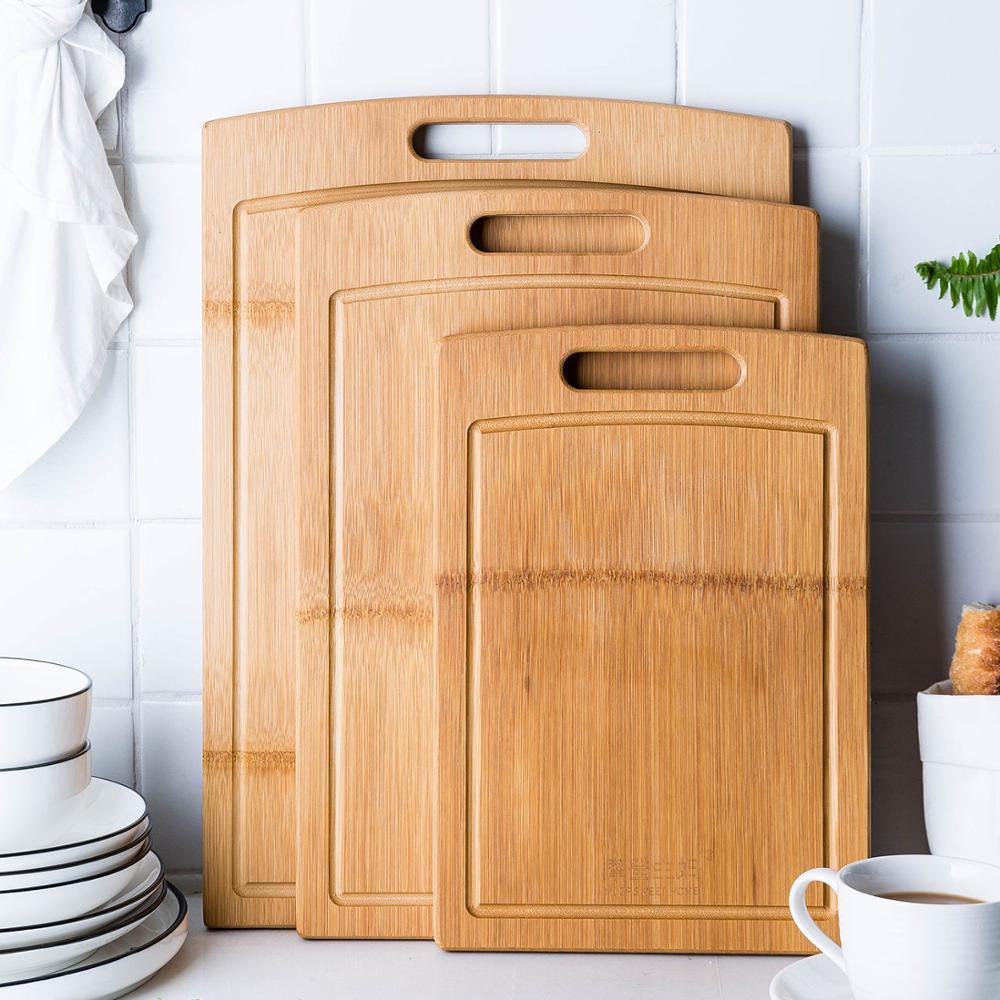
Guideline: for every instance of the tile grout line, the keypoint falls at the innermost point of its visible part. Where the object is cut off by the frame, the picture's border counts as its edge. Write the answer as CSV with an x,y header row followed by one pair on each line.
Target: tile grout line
x,y
866,71
307,51
492,64
680,55
133,528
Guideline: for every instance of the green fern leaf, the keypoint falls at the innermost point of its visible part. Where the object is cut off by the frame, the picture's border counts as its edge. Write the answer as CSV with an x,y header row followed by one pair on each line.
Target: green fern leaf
x,y
971,280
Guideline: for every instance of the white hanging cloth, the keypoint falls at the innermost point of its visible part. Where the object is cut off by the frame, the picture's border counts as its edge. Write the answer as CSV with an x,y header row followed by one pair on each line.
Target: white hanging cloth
x,y
64,234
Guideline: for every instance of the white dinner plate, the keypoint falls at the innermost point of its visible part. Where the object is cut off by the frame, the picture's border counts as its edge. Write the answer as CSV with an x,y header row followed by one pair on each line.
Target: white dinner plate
x,y
44,959
109,816
815,978
146,880
76,870
64,900
118,968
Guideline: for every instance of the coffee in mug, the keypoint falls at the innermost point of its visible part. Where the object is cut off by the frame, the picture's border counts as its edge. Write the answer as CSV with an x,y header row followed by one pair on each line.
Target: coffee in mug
x,y
912,927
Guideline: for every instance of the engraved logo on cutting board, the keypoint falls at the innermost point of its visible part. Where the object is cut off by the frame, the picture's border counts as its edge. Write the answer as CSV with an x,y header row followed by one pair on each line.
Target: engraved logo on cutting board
x,y
641,880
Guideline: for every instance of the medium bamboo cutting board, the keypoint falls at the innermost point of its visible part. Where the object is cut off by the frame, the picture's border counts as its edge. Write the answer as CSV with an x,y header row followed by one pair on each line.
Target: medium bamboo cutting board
x,y
259,170
651,627
364,485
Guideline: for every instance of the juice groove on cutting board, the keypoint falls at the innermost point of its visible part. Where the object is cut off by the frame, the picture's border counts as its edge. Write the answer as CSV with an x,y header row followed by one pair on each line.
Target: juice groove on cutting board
x,y
652,642
258,171
364,485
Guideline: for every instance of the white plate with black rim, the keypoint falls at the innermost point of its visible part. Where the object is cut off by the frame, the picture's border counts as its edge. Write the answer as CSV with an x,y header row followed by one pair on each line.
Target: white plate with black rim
x,y
108,816
39,877
44,959
145,882
67,899
117,968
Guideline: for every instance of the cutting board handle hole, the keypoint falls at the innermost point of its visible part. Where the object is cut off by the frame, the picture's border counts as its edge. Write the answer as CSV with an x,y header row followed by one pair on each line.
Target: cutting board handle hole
x,y
571,233
499,141
652,371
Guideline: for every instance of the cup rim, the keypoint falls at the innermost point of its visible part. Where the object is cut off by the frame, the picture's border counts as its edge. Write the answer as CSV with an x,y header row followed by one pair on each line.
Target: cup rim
x,y
920,859
49,763
89,683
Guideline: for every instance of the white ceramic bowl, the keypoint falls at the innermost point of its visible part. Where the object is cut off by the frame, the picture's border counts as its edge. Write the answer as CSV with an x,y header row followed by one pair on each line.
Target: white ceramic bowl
x,y
108,816
75,871
118,968
64,900
39,802
43,959
44,711
144,883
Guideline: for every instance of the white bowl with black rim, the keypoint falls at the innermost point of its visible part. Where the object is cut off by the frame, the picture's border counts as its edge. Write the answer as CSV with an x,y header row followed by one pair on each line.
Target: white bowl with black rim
x,y
144,883
107,816
66,899
44,711
38,802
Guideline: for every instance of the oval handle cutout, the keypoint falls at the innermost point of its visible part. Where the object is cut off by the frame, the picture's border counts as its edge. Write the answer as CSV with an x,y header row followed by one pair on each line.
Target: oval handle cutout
x,y
499,141
652,371
563,233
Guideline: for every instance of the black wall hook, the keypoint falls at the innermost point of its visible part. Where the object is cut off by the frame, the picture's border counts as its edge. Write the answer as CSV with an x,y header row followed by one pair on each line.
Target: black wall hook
x,y
119,15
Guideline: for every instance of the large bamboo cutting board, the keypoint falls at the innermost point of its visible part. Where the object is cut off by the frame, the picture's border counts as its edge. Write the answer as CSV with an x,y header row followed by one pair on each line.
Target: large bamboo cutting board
x,y
364,496
651,624
259,170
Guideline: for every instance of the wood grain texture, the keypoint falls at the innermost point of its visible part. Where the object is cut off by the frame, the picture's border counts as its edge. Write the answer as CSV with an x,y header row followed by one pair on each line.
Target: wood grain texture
x,y
258,171
651,642
364,493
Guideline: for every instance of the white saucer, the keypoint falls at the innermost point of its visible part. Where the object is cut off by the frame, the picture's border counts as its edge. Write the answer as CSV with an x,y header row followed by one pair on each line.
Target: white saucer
x,y
118,968
815,978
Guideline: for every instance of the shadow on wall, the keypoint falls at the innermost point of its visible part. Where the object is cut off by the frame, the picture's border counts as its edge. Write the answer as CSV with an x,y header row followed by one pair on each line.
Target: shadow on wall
x,y
910,634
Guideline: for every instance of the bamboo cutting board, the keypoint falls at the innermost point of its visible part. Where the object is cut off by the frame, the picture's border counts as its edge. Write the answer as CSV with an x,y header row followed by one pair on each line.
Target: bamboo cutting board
x,y
651,624
259,170
364,489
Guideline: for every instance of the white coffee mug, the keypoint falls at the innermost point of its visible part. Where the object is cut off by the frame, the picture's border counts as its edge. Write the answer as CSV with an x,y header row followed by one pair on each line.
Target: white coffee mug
x,y
895,950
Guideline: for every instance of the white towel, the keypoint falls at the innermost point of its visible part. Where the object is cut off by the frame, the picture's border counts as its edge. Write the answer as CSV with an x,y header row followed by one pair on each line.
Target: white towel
x,y
64,234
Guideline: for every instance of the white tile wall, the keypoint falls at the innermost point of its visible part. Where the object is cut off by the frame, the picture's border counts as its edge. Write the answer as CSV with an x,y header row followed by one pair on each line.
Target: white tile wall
x,y
206,60
783,58
912,105
167,453
170,761
169,611
99,544
164,202
64,596
111,737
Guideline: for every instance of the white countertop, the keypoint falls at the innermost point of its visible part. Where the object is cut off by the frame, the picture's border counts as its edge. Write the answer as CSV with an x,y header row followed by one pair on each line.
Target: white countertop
x,y
246,965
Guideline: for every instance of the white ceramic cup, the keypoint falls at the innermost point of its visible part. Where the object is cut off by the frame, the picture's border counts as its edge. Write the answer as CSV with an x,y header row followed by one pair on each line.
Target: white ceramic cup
x,y
960,750
895,950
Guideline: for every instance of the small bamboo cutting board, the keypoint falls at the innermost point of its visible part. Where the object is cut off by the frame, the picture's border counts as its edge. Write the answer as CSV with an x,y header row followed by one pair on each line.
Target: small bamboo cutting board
x,y
259,170
438,264
651,635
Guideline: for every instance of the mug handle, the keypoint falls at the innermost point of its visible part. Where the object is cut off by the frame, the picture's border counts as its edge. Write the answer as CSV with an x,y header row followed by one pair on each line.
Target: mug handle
x,y
803,919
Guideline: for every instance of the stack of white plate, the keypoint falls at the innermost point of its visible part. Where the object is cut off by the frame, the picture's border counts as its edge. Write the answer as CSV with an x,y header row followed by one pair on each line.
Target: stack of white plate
x,y
85,912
